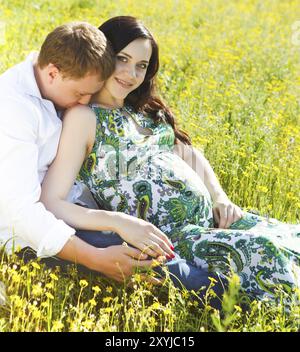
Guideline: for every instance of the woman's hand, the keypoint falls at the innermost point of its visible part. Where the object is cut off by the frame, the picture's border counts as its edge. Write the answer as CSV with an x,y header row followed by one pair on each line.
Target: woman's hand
x,y
225,212
144,236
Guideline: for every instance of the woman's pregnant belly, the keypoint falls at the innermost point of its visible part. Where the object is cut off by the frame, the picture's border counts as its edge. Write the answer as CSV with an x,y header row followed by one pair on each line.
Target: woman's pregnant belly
x,y
161,189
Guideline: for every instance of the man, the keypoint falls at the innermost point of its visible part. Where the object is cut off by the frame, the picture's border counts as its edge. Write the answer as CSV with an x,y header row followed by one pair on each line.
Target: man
x,y
71,66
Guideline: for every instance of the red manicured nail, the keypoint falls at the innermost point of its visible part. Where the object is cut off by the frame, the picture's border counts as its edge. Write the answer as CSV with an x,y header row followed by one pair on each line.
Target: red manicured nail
x,y
172,247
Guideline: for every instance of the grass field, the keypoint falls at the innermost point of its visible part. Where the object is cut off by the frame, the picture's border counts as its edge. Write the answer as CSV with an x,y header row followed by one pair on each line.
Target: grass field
x,y
231,73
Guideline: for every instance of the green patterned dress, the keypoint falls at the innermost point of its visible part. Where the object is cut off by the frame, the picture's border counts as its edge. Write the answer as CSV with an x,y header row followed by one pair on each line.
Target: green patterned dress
x,y
137,172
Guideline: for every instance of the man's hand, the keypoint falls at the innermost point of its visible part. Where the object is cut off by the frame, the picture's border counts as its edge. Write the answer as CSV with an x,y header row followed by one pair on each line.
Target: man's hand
x,y
119,262
225,212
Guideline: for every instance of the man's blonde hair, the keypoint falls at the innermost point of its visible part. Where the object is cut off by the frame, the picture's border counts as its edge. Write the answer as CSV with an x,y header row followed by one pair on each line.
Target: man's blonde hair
x,y
78,49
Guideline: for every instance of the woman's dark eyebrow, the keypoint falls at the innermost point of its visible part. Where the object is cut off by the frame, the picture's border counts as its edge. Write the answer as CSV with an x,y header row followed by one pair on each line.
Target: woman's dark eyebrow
x,y
122,52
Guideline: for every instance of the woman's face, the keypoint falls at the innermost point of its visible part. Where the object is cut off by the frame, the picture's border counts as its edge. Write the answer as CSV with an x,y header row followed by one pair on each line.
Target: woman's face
x,y
131,67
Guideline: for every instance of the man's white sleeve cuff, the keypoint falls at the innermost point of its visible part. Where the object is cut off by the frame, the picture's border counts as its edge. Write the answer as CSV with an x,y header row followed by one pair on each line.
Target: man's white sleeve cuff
x,y
54,241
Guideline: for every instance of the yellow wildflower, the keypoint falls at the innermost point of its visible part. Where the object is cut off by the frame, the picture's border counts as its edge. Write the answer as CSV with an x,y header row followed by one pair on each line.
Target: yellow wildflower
x,y
83,283
36,265
53,277
92,302
96,289
262,189
107,299
109,289
49,295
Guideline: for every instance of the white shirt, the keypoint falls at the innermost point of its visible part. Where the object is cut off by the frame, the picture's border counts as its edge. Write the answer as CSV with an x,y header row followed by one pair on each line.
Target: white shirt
x,y
29,136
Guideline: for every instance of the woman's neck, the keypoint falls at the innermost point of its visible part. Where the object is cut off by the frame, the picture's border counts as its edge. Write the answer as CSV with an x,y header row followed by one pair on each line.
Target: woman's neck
x,y
106,100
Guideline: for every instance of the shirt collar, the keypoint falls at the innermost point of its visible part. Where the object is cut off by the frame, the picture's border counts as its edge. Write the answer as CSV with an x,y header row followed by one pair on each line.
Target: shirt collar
x,y
28,81
29,84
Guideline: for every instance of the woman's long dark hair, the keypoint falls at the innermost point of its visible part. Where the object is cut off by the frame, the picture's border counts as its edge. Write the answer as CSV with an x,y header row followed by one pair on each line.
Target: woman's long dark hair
x,y
121,31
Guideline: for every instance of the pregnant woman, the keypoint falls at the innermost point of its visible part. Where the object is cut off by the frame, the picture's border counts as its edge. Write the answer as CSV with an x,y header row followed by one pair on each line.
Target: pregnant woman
x,y
128,151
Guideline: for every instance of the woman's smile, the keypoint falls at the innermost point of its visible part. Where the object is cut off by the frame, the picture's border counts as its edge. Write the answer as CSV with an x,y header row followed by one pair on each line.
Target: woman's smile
x,y
124,84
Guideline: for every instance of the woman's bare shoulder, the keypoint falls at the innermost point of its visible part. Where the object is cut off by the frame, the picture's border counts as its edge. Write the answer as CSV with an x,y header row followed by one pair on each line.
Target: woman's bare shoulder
x,y
80,121
79,114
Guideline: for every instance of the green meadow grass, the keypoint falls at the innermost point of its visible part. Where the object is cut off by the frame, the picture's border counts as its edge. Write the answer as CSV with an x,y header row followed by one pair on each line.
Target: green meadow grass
x,y
230,72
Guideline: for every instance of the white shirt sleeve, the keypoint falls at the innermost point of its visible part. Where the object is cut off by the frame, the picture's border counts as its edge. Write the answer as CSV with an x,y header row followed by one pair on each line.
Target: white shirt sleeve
x,y
20,188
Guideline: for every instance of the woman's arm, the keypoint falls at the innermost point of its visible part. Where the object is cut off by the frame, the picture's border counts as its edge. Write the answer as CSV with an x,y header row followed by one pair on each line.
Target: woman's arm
x,y
77,139
225,212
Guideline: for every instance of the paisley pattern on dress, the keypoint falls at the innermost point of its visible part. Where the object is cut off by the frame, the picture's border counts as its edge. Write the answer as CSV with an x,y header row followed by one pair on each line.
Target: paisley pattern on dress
x,y
139,174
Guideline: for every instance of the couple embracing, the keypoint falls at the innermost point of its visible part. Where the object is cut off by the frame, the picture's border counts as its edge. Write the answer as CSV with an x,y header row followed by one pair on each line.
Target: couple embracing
x,y
94,170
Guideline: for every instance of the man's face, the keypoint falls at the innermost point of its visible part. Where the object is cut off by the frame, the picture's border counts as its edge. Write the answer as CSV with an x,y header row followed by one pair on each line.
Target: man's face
x,y
68,92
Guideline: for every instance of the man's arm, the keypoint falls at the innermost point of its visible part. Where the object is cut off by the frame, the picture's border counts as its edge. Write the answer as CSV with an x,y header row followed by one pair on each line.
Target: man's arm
x,y
20,189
